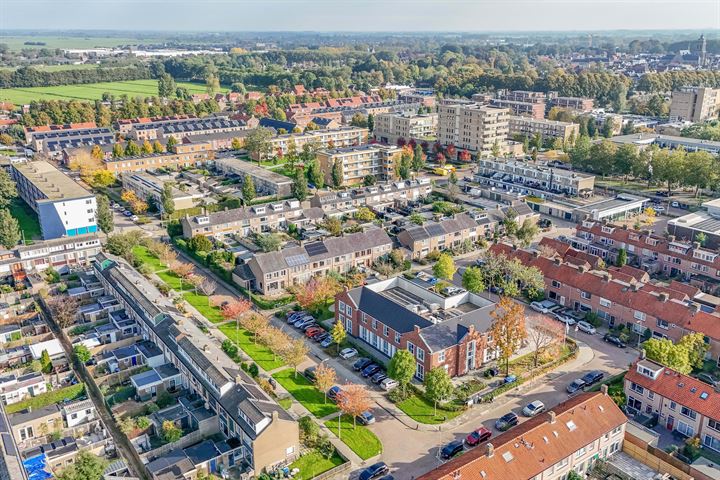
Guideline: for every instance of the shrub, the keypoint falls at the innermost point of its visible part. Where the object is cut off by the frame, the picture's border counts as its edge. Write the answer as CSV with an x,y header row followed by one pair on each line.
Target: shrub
x,y
230,348
151,408
253,370
593,319
164,400
397,395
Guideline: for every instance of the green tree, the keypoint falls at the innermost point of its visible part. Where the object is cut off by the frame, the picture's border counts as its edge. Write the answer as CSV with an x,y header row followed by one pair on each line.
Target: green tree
x,y
416,218
445,267
495,150
9,229
46,362
625,159
315,174
104,215
85,467
418,161
338,334
403,167
170,432
212,84
621,259
602,157
118,151
82,353
132,149
671,355
580,153
7,188
438,386
369,180
166,86
200,243
167,203
268,242
696,346
473,280
337,173
371,122
668,167
248,189
364,214
258,144
171,142
300,186
701,238
121,244
701,170
526,232
402,368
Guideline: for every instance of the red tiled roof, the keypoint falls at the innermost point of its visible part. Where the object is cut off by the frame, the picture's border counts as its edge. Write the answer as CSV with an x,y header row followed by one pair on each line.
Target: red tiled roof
x,y
67,126
681,389
557,245
536,444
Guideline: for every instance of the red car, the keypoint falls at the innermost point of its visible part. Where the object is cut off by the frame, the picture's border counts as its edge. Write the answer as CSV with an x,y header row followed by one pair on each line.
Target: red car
x,y
312,331
480,435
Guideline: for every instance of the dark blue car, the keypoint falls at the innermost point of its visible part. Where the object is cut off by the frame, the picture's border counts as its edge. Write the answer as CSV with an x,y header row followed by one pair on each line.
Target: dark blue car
x,y
370,370
374,471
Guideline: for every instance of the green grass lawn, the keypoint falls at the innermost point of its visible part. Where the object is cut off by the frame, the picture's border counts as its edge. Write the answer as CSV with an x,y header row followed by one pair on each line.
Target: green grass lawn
x,y
305,393
90,91
202,305
27,219
285,403
172,280
262,355
147,258
313,464
44,399
359,438
423,411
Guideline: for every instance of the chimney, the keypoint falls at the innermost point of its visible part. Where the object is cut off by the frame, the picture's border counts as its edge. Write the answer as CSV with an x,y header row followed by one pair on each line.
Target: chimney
x,y
490,450
696,245
642,354
552,417
582,269
695,307
536,253
664,297
608,276
558,261
636,286
604,389
416,328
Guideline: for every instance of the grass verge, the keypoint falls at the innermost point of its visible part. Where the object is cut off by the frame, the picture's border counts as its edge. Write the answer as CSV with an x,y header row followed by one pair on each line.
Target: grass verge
x,y
262,355
305,393
143,254
313,464
423,411
359,438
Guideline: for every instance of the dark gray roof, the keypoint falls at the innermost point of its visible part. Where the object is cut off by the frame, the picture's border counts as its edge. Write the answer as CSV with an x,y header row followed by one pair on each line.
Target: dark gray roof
x,y
202,452
390,313
27,416
449,332
149,349
174,462
203,363
460,222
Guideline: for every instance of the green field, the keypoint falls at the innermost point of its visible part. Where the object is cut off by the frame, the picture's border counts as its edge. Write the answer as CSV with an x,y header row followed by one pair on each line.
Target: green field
x,y
59,68
89,91
18,42
27,219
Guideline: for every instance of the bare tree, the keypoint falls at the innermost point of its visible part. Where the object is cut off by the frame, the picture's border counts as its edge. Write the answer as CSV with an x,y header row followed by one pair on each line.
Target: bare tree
x,y
207,286
325,378
63,309
541,333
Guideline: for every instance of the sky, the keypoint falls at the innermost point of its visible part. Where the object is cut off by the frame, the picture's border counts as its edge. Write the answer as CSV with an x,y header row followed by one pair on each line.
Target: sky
x,y
360,15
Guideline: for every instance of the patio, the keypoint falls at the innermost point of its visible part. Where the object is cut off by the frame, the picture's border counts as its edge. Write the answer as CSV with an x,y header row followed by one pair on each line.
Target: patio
x,y
631,467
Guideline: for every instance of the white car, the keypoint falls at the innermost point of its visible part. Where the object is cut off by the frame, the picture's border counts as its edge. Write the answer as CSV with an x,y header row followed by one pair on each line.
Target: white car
x,y
117,206
658,208
388,384
543,307
348,353
134,218
584,326
675,204
534,408
565,318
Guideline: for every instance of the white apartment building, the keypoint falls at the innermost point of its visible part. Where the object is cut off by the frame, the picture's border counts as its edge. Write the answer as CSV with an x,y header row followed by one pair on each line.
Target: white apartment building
x,y
472,127
390,127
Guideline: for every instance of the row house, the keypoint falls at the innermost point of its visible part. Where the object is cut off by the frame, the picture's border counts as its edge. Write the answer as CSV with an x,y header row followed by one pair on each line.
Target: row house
x,y
272,272
450,332
33,426
183,155
445,234
623,296
181,128
651,252
681,403
262,433
14,388
247,220
378,197
571,437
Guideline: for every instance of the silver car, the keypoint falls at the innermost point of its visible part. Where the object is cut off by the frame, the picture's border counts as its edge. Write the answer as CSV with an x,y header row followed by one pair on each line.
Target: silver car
x,y
584,326
534,408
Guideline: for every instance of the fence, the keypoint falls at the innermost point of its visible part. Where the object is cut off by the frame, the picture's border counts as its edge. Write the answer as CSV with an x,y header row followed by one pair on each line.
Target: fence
x,y
659,460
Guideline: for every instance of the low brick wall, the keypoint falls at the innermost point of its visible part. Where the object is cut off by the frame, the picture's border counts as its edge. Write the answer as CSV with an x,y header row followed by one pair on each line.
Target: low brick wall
x,y
659,460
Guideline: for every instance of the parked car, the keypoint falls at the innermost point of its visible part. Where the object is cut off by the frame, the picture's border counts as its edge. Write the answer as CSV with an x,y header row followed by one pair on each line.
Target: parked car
x,y
707,378
327,342
452,290
374,471
310,325
295,316
361,363
614,340
480,435
370,370
544,223
128,213
506,421
135,218
533,408
303,321
388,384
675,204
378,377
451,449
348,353
658,208
564,317
366,418
584,326
117,206
312,331
334,392
593,377
575,386
510,379
496,290
543,307
320,336
310,373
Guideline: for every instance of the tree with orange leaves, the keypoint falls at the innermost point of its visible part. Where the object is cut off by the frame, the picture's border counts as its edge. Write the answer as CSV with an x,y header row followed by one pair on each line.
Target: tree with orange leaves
x,y
325,378
508,328
234,309
182,270
317,293
254,324
354,400
542,333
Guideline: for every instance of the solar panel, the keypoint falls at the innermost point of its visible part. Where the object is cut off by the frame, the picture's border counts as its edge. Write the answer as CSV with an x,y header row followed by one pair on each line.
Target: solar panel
x,y
8,444
295,260
316,249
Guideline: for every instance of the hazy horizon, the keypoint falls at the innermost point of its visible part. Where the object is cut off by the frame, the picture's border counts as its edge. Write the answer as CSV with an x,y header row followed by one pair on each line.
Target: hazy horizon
x,y
355,16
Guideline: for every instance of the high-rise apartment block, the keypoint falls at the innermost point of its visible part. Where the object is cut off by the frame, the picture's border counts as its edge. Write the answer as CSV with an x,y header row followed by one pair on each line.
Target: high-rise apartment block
x,y
472,127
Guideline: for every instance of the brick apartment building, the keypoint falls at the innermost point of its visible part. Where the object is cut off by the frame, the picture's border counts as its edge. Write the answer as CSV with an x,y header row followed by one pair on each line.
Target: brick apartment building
x,y
572,436
681,403
547,129
653,253
517,108
622,296
450,332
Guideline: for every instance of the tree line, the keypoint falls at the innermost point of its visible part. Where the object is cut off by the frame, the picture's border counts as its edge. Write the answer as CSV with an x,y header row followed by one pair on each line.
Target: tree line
x,y
25,77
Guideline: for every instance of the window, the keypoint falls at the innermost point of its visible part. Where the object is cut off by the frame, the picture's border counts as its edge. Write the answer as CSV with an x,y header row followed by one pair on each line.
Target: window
x,y
688,413
411,347
605,302
420,354
374,324
639,315
342,306
386,330
348,310
672,405
397,338
617,430
663,324
685,429
711,442
637,388
651,394
715,425
556,284
580,453
585,295
441,356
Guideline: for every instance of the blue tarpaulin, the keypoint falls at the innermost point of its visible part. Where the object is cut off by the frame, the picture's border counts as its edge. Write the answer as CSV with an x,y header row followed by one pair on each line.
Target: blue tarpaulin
x,y
35,467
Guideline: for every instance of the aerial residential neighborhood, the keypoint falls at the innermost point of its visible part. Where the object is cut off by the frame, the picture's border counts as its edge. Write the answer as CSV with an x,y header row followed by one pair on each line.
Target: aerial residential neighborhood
x,y
400,241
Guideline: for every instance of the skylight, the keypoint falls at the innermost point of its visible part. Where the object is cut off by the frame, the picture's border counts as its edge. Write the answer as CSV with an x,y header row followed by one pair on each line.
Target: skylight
x,y
507,456
571,425
704,395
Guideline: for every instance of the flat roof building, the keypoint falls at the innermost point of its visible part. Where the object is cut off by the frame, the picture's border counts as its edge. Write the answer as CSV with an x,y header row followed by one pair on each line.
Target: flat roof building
x,y
644,140
390,127
358,162
548,130
64,208
266,181
149,186
695,104
472,127
689,226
